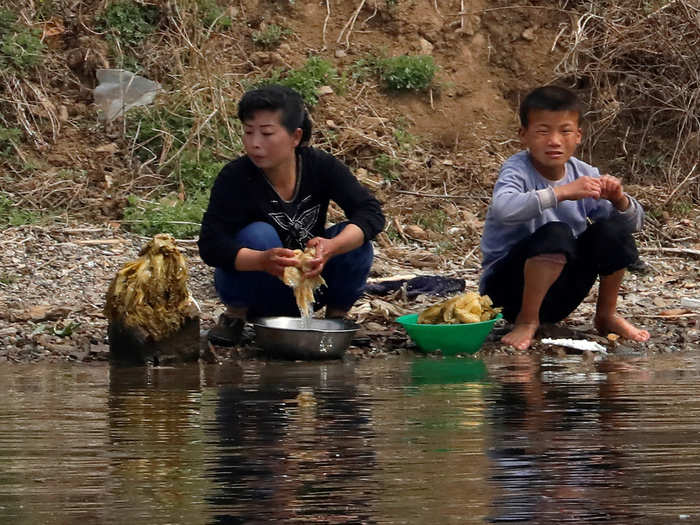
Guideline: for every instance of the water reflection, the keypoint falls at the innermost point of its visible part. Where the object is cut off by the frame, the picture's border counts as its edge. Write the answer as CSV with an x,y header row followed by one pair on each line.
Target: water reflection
x,y
293,447
563,443
156,445
398,441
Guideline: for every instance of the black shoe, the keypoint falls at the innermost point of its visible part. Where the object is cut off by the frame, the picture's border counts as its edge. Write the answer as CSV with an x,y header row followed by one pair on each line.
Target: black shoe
x,y
638,266
227,331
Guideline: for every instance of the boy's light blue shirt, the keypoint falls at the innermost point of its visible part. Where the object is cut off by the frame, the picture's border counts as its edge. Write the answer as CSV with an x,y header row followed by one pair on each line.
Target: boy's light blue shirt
x,y
523,200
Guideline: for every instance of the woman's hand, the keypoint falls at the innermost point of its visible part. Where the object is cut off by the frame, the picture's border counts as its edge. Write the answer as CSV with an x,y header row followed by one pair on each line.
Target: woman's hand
x,y
325,249
275,260
611,189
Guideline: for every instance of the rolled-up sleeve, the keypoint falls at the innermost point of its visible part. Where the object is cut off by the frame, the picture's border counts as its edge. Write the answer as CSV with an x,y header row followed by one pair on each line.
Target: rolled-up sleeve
x,y
360,206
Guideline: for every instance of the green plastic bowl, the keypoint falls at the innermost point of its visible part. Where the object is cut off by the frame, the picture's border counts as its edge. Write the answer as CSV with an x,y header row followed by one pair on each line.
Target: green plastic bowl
x,y
450,370
451,339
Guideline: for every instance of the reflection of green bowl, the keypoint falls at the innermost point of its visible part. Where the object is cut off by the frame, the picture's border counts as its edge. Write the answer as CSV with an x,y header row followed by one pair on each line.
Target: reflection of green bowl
x,y
451,339
447,371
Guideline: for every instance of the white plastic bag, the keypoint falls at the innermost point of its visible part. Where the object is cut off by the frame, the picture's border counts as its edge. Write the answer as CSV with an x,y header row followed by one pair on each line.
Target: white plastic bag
x,y
120,90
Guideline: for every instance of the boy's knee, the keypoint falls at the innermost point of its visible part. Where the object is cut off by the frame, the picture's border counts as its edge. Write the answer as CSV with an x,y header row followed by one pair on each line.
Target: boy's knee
x,y
259,236
608,232
558,231
551,238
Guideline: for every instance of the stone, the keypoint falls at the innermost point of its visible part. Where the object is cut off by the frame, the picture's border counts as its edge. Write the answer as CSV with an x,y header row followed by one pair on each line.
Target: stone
x,y
62,113
135,346
43,312
415,231
425,47
325,90
528,34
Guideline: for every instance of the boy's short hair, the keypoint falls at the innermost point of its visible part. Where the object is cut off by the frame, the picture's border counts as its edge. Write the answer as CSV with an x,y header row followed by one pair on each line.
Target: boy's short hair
x,y
549,98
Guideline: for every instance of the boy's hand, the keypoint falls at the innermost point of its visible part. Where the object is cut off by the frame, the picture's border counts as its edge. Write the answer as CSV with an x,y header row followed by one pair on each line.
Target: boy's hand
x,y
581,188
611,189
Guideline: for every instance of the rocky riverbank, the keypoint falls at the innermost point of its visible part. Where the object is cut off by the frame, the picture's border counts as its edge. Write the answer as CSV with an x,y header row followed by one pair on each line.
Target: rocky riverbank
x,y
53,282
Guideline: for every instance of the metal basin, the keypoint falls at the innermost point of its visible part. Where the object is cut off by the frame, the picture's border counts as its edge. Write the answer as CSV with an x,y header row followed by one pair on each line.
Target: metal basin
x,y
290,338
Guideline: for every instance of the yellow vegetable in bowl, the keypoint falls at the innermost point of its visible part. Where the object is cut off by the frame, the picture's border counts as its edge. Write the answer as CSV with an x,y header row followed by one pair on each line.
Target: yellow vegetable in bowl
x,y
465,308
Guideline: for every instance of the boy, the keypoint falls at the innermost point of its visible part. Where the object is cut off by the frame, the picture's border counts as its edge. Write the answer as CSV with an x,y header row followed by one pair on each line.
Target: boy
x,y
554,225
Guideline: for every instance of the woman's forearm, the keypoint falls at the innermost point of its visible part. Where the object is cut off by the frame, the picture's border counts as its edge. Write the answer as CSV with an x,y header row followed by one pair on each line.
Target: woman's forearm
x,y
248,260
348,239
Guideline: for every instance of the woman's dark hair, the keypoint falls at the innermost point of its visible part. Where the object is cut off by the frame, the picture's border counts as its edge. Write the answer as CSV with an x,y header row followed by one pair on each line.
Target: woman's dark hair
x,y
550,98
274,97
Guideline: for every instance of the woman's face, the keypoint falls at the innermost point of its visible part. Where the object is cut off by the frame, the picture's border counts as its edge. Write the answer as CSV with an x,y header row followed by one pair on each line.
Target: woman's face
x,y
267,142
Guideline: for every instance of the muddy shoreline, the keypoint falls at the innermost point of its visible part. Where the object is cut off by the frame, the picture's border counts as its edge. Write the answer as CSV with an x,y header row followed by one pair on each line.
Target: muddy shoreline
x,y
53,282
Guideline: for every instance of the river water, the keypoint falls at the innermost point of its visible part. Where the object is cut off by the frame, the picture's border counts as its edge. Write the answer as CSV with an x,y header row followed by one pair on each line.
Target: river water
x,y
515,439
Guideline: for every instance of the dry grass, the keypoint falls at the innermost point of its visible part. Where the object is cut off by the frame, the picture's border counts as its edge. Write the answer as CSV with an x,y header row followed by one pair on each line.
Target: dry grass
x,y
639,62
636,60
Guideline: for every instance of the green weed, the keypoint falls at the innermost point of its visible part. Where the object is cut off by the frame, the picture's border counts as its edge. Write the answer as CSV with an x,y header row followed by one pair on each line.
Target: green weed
x,y
682,208
20,46
128,22
156,125
392,233
11,215
212,14
7,278
316,72
169,215
8,137
366,67
408,72
197,173
404,139
387,166
46,9
444,247
271,36
435,220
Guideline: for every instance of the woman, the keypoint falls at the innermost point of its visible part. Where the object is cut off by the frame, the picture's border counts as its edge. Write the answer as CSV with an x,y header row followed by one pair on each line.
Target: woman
x,y
275,199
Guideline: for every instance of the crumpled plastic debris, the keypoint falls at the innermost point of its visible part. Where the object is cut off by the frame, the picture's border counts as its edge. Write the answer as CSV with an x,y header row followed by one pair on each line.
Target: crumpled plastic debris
x,y
576,344
120,90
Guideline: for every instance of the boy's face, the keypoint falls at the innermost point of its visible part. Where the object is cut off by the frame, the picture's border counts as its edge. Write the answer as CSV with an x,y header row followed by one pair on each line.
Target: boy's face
x,y
551,137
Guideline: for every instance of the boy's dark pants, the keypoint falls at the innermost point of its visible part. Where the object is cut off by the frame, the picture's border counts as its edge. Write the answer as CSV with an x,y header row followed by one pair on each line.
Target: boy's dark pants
x,y
604,248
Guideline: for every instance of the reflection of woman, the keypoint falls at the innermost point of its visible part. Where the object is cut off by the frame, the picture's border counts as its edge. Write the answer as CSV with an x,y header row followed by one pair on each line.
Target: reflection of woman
x,y
286,458
275,199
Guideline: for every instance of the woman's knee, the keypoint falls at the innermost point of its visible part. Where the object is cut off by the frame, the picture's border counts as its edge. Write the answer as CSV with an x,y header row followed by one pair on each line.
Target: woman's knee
x,y
259,236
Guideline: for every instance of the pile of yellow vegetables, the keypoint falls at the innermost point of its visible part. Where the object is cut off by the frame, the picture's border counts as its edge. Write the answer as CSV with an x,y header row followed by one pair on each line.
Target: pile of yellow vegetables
x,y
468,307
151,293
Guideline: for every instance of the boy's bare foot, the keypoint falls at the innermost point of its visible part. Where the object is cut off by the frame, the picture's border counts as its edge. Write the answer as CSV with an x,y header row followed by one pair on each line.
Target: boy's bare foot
x,y
520,337
620,326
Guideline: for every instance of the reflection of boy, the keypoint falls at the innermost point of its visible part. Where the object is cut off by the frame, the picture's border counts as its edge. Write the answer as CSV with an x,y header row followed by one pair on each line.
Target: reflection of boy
x,y
554,225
